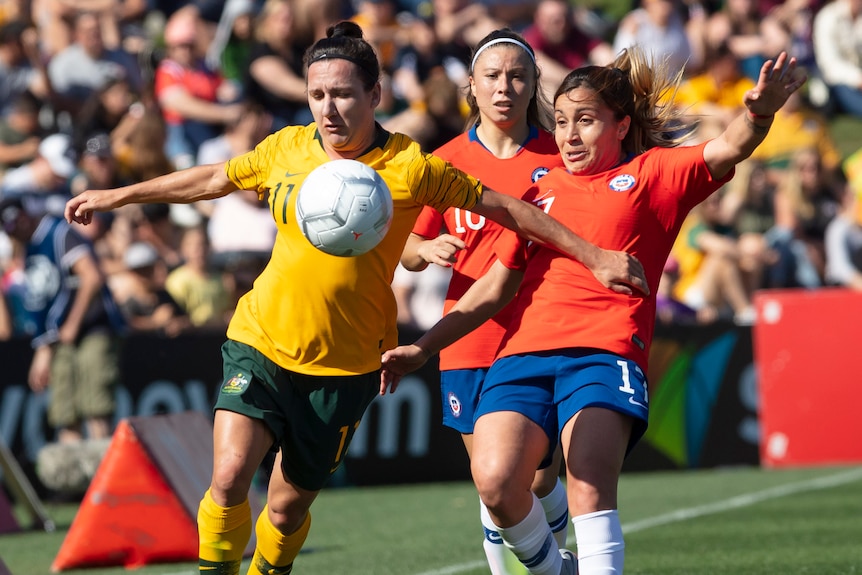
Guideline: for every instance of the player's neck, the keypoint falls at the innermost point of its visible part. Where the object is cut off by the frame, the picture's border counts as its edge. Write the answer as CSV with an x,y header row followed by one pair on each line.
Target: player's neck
x,y
502,142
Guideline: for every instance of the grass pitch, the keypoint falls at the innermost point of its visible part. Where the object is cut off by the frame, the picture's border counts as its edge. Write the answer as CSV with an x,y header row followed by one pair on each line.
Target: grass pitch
x,y
741,521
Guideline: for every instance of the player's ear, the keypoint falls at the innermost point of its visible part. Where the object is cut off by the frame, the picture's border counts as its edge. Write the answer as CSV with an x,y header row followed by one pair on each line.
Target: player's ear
x,y
623,127
376,92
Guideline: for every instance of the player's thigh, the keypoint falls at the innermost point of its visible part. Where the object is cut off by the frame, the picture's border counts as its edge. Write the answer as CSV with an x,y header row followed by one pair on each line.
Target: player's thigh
x,y
507,449
595,443
322,417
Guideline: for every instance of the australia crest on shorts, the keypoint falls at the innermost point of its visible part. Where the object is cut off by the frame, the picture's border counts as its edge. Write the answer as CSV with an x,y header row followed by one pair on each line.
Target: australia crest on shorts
x,y
235,385
454,404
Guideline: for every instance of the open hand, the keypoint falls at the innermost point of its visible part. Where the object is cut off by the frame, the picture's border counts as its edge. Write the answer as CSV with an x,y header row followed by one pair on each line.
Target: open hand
x,y
778,79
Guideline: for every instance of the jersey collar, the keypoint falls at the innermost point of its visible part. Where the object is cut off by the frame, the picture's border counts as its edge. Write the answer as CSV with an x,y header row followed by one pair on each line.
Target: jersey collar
x,y
473,136
381,136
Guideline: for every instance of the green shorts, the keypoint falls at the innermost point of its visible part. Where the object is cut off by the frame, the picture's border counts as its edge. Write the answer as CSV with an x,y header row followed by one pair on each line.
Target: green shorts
x,y
313,418
84,378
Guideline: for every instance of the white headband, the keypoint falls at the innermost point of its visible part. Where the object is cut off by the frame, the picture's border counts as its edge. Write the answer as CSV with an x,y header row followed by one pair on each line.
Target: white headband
x,y
502,41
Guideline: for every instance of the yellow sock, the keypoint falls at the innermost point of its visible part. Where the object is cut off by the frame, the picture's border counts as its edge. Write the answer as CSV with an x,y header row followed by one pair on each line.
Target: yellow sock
x,y
276,551
224,533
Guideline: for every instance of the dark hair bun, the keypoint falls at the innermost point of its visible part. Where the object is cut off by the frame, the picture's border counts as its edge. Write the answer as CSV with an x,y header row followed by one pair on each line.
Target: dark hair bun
x,y
345,28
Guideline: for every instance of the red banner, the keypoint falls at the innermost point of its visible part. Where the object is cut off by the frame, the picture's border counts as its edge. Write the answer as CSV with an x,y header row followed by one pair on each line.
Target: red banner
x,y
805,347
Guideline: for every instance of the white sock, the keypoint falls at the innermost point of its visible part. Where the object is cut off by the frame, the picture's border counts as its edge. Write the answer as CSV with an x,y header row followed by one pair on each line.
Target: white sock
x,y
500,560
533,543
601,549
556,507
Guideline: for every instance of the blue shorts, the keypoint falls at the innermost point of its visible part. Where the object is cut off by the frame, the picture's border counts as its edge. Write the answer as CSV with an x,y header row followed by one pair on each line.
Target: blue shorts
x,y
461,388
549,388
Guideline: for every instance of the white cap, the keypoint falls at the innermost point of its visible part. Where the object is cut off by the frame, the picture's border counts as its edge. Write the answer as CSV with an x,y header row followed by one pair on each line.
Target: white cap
x,y
140,255
57,150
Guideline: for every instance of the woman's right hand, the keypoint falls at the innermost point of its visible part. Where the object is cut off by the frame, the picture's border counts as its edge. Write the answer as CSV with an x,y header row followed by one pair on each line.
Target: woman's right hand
x,y
441,250
620,272
398,362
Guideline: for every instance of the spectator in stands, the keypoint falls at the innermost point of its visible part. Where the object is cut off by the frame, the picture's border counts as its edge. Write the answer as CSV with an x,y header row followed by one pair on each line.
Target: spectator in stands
x,y
275,79
231,46
384,31
313,17
737,25
22,68
843,241
560,46
239,137
415,62
238,222
713,98
797,125
459,24
837,36
20,132
97,166
87,65
108,110
140,292
157,229
77,324
709,274
13,288
140,151
241,223
196,286
659,27
48,174
805,202
749,205
426,104
196,102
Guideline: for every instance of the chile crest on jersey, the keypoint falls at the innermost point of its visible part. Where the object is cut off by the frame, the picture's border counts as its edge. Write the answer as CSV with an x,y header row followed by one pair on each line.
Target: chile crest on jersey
x,y
538,173
622,182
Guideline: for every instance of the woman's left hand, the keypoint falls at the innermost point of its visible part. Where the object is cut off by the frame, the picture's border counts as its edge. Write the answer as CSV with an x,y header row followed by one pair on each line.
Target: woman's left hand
x,y
778,79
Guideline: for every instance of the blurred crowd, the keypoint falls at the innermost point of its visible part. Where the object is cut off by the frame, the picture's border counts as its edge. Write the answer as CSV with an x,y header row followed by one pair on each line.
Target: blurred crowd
x,y
96,94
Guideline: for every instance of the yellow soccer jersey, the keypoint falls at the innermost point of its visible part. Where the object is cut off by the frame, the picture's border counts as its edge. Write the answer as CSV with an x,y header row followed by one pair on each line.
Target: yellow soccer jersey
x,y
318,314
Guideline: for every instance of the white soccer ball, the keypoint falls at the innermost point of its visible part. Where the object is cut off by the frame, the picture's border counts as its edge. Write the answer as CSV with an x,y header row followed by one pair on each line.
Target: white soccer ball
x,y
344,208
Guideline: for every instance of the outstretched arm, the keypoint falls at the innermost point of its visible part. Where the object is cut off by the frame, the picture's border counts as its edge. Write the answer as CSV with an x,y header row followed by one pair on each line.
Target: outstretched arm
x,y
619,271
183,187
778,79
480,303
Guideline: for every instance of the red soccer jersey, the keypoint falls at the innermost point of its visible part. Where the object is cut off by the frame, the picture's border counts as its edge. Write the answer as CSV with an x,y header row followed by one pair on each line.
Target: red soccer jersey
x,y
637,207
511,176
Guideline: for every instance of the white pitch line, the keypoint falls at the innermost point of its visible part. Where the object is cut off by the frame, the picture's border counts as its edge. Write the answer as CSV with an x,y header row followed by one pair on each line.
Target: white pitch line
x,y
736,502
745,500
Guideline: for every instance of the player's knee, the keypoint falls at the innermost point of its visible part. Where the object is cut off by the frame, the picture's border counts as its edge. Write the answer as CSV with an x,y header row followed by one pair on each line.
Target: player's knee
x,y
230,484
494,488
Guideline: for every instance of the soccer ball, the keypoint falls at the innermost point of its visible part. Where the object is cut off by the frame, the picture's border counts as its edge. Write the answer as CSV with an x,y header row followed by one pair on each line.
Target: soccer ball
x,y
344,208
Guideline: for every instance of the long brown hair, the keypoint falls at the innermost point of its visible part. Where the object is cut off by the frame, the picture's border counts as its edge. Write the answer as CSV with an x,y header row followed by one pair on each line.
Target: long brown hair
x,y
630,87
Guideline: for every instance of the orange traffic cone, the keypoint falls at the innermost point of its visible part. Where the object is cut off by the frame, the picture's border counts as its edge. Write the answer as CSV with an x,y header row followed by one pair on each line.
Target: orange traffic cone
x,y
130,515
